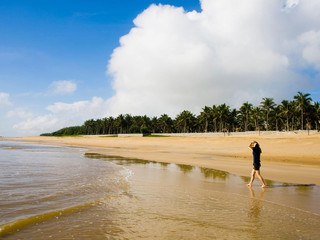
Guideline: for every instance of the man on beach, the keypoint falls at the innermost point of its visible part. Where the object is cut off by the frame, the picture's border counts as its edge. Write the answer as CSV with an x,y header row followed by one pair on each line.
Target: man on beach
x,y
256,151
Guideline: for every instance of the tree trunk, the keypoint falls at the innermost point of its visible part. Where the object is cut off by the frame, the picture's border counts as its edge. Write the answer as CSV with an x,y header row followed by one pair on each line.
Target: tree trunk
x,y
301,119
206,130
292,123
267,120
246,123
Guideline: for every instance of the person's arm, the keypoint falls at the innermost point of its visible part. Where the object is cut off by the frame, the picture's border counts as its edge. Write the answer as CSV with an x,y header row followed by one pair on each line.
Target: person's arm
x,y
251,145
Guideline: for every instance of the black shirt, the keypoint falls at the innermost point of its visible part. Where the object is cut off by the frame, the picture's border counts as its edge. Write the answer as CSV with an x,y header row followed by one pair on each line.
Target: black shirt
x,y
256,154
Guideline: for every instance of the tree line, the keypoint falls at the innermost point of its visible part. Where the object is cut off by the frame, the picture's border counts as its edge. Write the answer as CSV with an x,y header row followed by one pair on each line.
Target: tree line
x,y
298,114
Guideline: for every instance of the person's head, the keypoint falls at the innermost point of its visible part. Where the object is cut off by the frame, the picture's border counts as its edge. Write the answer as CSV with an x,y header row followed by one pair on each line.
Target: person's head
x,y
255,143
257,146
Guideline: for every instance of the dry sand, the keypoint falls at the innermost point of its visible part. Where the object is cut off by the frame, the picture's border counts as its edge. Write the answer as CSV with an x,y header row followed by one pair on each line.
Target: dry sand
x,y
291,158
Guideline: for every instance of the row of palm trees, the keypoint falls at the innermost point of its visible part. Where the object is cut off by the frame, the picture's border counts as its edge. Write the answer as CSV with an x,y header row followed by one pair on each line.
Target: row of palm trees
x,y
300,113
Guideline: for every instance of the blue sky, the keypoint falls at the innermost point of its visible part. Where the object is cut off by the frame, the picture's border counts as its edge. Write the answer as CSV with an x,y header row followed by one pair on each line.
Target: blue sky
x,y
55,55
46,41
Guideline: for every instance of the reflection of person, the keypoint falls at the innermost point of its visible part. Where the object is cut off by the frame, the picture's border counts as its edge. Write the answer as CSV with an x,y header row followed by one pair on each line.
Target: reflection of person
x,y
255,206
256,151
259,196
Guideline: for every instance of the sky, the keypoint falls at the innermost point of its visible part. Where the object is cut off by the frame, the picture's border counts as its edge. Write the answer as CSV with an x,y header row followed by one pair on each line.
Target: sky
x,y
64,62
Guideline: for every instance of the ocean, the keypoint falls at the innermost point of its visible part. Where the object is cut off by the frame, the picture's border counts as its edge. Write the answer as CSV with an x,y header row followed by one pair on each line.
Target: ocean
x,y
60,192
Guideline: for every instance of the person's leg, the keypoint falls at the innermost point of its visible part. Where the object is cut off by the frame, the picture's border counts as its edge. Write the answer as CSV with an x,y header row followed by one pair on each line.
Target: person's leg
x,y
252,178
260,178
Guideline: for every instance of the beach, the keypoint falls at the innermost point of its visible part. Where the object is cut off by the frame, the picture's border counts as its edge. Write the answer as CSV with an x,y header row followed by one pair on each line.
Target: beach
x,y
290,157
89,188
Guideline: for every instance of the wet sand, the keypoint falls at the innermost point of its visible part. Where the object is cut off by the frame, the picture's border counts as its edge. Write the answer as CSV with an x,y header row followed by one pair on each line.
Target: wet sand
x,y
164,201
291,158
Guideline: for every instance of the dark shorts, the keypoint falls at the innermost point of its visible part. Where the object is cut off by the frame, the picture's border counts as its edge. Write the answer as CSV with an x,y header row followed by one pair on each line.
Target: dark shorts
x,y
256,166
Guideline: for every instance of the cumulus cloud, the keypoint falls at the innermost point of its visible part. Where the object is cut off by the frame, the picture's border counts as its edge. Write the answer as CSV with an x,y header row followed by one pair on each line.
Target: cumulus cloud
x,y
4,99
80,110
37,125
311,47
19,113
60,115
232,51
63,87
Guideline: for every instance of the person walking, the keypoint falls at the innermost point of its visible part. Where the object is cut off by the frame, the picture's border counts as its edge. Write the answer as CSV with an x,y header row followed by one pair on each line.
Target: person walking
x,y
256,152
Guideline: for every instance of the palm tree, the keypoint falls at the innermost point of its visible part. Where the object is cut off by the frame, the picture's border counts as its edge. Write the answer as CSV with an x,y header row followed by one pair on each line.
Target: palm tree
x,y
223,112
285,110
89,126
108,122
316,106
303,101
155,124
104,125
233,119
185,120
119,123
267,104
205,115
146,121
99,126
293,113
256,115
278,116
165,122
290,114
127,122
214,116
245,109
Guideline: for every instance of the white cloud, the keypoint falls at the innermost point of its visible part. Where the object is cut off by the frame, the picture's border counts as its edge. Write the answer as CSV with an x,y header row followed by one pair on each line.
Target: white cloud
x,y
80,110
311,47
37,125
19,113
291,4
61,115
63,87
233,51
4,99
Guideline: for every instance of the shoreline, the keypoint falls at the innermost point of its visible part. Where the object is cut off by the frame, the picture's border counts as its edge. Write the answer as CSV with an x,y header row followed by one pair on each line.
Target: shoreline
x,y
285,158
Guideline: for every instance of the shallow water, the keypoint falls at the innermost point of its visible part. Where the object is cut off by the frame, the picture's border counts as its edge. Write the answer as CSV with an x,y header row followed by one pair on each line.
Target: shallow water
x,y
61,193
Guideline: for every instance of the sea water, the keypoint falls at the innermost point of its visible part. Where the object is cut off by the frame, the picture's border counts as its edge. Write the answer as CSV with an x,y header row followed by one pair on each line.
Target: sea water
x,y
54,192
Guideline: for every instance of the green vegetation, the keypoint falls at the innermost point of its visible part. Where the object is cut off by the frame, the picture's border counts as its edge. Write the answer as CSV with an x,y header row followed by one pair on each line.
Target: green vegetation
x,y
300,113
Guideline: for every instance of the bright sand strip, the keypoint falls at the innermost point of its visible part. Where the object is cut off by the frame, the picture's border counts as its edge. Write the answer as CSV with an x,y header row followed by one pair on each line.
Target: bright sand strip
x,y
291,158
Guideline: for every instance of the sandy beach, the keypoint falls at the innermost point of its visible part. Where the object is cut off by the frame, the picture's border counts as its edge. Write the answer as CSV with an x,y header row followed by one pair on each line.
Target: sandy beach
x,y
291,158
